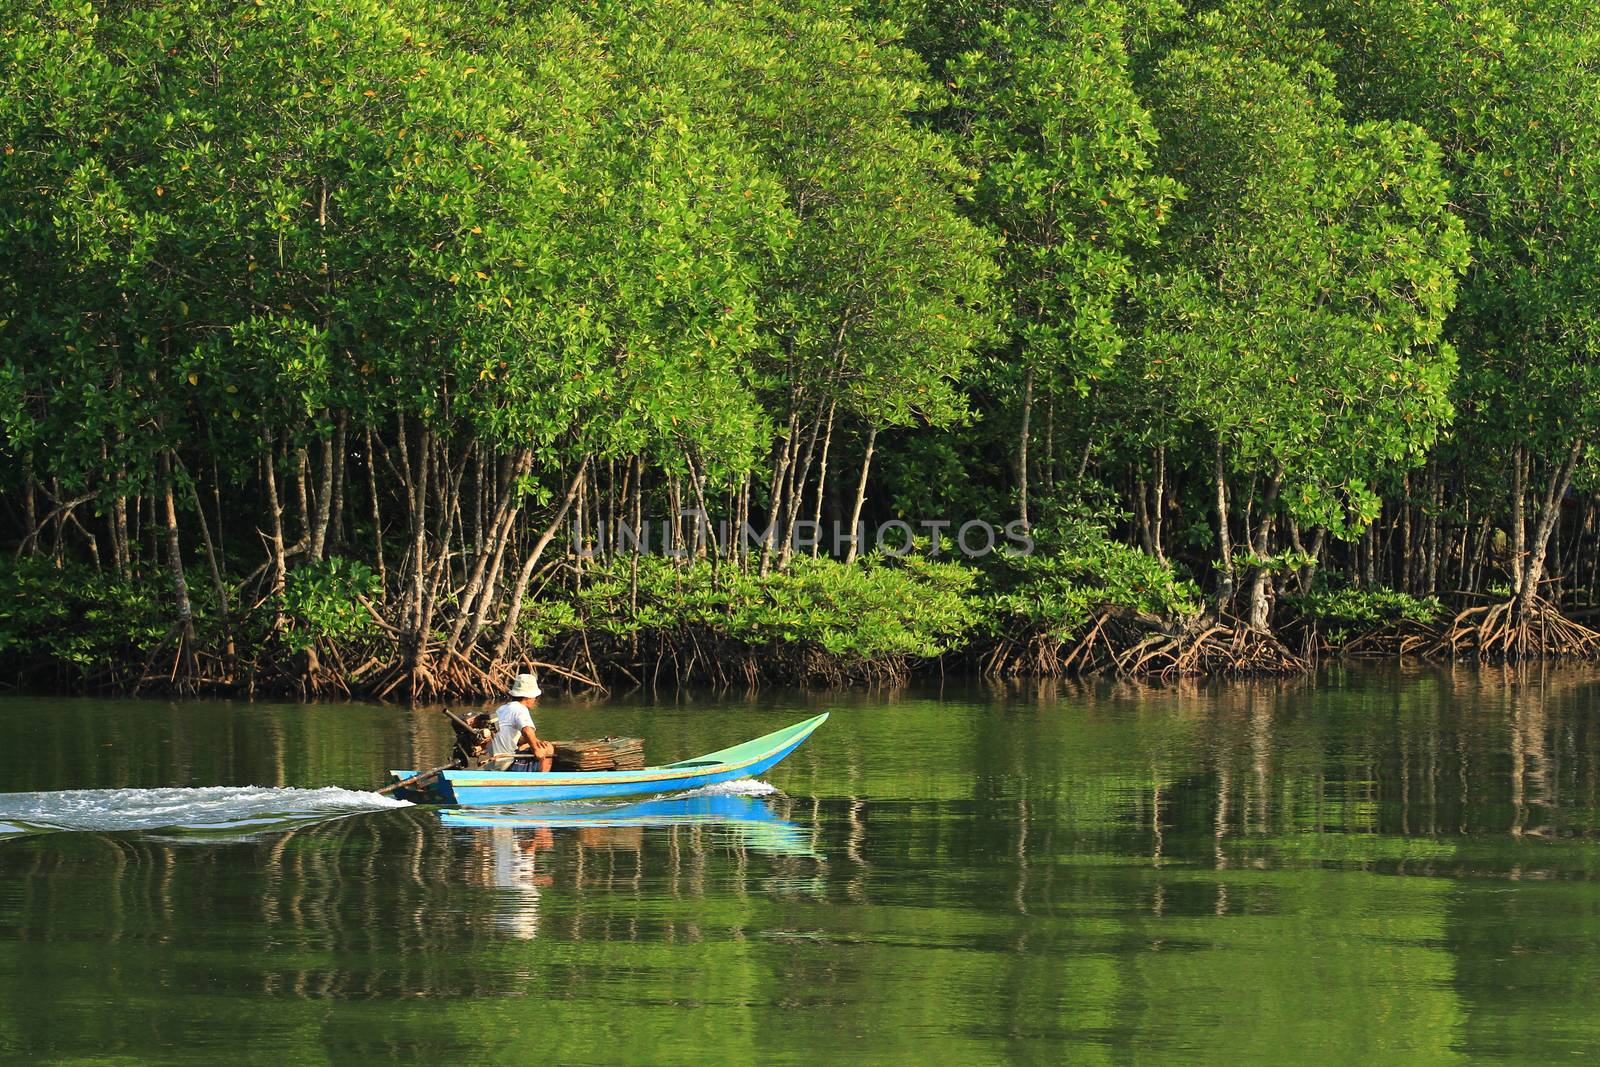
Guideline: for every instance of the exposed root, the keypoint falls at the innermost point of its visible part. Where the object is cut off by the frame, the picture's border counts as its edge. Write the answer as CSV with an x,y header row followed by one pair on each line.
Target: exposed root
x,y
1223,647
1112,643
702,656
1407,640
1503,632
1132,646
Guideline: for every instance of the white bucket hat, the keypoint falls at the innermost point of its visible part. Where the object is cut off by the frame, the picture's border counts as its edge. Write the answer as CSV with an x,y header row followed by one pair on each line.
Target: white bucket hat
x,y
526,685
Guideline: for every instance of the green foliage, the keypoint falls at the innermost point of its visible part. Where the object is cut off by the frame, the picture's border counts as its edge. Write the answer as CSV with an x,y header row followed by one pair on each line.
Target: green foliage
x,y
1063,146
1077,573
322,602
1344,613
1277,563
1369,606
1307,274
1133,253
75,621
548,619
876,610
1510,90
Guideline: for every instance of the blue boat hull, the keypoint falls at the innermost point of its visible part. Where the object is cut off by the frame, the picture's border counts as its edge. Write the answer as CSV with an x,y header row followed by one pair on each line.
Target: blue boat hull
x,y
469,788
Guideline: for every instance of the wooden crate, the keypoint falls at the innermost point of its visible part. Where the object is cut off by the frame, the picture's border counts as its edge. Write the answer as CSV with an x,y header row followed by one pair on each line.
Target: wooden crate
x,y
600,754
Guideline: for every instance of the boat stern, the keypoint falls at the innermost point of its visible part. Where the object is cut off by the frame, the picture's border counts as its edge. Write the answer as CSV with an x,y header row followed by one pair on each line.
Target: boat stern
x,y
430,789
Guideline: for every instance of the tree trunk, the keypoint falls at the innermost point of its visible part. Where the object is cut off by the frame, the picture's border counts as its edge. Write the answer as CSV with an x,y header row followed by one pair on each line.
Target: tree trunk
x,y
447,492
1307,574
30,509
1225,573
1369,541
180,583
491,550
1141,515
302,493
741,519
1430,574
1406,551
1519,544
697,483
377,514
280,570
638,529
324,504
775,514
1485,535
419,540
336,509
224,607
579,526
1022,448
1050,440
797,494
1158,504
508,628
120,536
1549,513
1594,574
822,477
147,528
1261,580
861,496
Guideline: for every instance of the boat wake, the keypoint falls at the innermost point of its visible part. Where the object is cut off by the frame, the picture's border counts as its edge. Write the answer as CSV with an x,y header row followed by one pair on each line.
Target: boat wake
x,y
212,808
739,787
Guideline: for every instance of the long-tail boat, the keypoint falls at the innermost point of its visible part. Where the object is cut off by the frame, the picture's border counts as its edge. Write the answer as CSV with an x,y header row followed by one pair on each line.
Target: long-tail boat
x,y
476,788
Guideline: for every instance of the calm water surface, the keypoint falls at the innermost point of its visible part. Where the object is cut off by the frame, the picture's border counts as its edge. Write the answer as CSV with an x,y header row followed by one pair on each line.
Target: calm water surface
x,y
1375,868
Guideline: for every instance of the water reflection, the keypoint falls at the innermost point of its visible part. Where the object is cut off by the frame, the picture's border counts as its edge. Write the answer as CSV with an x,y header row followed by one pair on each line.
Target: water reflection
x,y
514,863
507,842
1091,872
746,817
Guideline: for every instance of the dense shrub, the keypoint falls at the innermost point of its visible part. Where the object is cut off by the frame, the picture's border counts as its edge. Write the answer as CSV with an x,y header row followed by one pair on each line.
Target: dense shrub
x,y
76,625
322,602
1075,574
1345,613
817,617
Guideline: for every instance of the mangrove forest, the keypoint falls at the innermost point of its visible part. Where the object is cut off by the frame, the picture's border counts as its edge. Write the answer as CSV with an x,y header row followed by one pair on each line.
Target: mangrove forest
x,y
380,348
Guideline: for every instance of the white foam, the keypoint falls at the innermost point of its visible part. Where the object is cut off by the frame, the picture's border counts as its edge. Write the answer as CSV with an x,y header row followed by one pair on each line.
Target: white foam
x,y
206,808
739,787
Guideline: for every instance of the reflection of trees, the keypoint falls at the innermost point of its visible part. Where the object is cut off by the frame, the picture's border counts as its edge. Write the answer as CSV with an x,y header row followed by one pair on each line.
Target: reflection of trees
x,y
374,905
1253,802
1443,755
1405,771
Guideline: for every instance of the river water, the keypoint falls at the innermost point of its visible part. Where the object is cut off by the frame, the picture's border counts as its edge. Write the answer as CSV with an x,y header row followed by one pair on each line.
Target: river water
x,y
1372,867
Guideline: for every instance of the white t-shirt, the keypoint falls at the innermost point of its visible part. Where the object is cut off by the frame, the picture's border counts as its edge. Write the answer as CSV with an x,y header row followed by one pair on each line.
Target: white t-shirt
x,y
513,718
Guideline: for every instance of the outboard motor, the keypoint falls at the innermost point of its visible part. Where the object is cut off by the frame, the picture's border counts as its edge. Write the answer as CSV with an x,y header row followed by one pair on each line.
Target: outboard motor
x,y
473,736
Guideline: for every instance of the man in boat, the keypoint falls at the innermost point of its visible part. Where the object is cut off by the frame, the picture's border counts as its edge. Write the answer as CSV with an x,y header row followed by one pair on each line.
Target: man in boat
x,y
516,745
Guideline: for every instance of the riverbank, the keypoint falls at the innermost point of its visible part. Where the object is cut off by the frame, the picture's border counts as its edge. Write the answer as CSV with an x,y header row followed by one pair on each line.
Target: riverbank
x,y
1086,607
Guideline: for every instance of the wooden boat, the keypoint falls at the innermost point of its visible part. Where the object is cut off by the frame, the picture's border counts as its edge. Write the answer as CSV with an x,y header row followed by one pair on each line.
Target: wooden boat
x,y
475,788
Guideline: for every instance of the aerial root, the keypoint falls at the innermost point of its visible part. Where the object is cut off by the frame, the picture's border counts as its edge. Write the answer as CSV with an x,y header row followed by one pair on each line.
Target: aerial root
x,y
1220,648
1504,631
1123,645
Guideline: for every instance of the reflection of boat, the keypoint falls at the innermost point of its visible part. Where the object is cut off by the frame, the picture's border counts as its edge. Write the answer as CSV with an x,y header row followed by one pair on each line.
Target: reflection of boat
x,y
755,823
470,788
